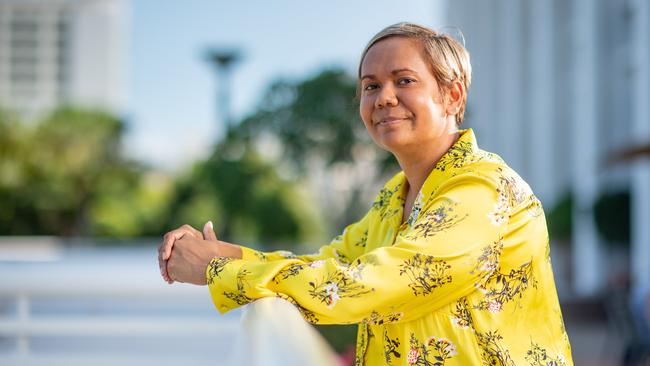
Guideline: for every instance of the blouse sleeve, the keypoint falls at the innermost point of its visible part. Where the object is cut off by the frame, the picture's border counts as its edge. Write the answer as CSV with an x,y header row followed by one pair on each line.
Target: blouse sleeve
x,y
448,252
345,247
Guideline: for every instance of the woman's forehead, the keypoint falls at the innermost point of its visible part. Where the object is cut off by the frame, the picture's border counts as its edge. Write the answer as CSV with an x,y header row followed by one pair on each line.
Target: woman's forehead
x,y
393,54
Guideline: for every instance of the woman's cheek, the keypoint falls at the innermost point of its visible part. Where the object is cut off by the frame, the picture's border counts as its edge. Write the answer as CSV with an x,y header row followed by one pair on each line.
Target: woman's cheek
x,y
365,110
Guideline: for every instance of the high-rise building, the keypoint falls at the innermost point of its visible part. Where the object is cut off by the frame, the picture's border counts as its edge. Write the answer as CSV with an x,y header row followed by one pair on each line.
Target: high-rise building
x,y
62,52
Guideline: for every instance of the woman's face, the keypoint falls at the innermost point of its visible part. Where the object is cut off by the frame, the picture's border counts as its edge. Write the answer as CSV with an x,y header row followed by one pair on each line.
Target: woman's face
x,y
401,104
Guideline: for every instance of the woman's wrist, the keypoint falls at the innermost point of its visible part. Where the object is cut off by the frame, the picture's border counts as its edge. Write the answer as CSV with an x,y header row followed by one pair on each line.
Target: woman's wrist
x,y
229,250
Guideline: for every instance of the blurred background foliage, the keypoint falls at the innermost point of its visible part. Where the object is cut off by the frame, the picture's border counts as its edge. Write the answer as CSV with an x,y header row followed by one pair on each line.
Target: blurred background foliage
x,y
246,199
611,214
54,171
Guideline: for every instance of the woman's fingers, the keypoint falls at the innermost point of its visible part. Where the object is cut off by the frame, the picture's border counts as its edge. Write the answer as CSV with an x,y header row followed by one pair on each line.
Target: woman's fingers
x,y
168,240
165,249
168,243
208,231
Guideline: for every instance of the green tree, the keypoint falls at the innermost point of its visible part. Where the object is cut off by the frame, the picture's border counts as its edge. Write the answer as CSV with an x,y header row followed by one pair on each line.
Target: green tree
x,y
131,206
245,198
55,171
13,177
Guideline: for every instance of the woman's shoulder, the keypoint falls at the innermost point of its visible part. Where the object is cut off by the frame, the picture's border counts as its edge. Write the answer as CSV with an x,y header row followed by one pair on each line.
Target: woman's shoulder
x,y
487,169
465,155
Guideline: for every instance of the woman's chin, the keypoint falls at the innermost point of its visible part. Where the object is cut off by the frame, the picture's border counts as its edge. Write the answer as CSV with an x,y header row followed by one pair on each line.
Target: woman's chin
x,y
393,142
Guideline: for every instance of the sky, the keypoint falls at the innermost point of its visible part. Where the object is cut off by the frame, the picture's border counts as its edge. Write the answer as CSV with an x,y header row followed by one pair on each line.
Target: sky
x,y
171,107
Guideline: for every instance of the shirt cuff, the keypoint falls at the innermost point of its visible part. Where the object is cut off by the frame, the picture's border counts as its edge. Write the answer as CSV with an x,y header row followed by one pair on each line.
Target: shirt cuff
x,y
252,255
222,278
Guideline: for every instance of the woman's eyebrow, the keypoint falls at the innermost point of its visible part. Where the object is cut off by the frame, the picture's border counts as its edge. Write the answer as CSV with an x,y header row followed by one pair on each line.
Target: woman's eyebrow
x,y
397,71
394,72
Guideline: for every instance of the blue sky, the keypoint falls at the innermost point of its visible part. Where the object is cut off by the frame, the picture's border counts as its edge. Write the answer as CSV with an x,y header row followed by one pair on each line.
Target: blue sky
x,y
172,108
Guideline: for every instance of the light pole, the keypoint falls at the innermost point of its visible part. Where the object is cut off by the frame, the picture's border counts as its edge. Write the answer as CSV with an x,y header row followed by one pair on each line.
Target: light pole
x,y
223,61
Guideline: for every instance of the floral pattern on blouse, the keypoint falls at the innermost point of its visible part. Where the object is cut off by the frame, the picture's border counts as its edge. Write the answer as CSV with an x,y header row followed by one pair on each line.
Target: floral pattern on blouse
x,y
336,286
382,202
391,348
461,315
292,270
493,351
433,352
504,288
442,288
435,221
538,356
215,268
239,296
378,319
425,273
459,155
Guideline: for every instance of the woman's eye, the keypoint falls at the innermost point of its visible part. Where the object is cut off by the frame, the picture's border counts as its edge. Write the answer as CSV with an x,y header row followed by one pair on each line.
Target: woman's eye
x,y
370,87
406,81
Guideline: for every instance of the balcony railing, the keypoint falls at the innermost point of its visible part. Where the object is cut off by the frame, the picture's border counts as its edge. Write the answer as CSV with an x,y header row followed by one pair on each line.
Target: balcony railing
x,y
110,307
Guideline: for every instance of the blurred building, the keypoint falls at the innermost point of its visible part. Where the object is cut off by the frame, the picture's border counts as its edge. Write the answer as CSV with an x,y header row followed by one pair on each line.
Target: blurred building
x,y
560,88
55,52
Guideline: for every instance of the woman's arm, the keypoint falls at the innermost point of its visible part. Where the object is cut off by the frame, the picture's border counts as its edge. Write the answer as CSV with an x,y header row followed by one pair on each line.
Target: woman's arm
x,y
345,247
194,249
449,252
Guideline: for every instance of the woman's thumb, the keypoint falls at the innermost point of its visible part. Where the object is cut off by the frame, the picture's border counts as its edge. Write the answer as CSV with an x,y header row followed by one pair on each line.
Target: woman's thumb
x,y
208,231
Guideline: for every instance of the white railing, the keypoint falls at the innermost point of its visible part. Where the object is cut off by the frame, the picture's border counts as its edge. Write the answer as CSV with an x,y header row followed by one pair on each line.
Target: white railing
x,y
61,311
274,333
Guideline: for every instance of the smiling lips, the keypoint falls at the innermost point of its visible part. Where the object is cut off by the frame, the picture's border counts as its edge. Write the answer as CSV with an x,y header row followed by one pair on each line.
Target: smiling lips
x,y
390,120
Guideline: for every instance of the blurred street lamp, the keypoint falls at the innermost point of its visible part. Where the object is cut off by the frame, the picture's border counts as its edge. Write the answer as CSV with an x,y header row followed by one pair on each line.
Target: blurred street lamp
x,y
629,154
223,61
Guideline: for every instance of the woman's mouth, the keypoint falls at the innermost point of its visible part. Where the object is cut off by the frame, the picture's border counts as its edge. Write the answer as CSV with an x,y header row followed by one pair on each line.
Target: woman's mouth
x,y
390,121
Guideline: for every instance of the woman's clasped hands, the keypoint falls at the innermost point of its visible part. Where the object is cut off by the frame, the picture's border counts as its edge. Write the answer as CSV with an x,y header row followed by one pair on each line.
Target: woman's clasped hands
x,y
186,253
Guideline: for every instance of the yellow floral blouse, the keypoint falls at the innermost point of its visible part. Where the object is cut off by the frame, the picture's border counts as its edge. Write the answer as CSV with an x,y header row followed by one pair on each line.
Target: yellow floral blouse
x,y
467,280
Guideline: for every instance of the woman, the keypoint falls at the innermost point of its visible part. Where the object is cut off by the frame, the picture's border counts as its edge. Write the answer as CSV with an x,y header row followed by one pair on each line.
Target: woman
x,y
451,263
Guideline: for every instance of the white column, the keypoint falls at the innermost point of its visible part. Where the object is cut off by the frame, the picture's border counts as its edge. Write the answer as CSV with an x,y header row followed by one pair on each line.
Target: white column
x,y
586,259
5,56
640,192
47,54
510,96
541,122
97,38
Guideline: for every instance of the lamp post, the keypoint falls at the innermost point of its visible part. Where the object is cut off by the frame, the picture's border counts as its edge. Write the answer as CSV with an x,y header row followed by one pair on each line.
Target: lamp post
x,y
223,61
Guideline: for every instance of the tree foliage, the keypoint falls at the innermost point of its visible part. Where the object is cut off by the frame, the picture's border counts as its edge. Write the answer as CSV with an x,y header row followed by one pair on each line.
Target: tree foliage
x,y
245,198
53,171
65,175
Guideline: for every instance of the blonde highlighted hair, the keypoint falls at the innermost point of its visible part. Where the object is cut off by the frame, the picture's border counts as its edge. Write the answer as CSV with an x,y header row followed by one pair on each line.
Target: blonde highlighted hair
x,y
447,58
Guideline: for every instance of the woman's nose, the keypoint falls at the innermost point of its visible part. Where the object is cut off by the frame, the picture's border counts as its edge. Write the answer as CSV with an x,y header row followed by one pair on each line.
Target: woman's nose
x,y
386,97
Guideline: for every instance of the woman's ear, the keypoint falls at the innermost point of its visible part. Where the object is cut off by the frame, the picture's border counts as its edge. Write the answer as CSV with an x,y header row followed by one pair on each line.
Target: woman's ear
x,y
455,96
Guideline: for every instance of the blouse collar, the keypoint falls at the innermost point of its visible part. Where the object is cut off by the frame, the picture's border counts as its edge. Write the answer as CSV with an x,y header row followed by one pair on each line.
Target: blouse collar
x,y
462,152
